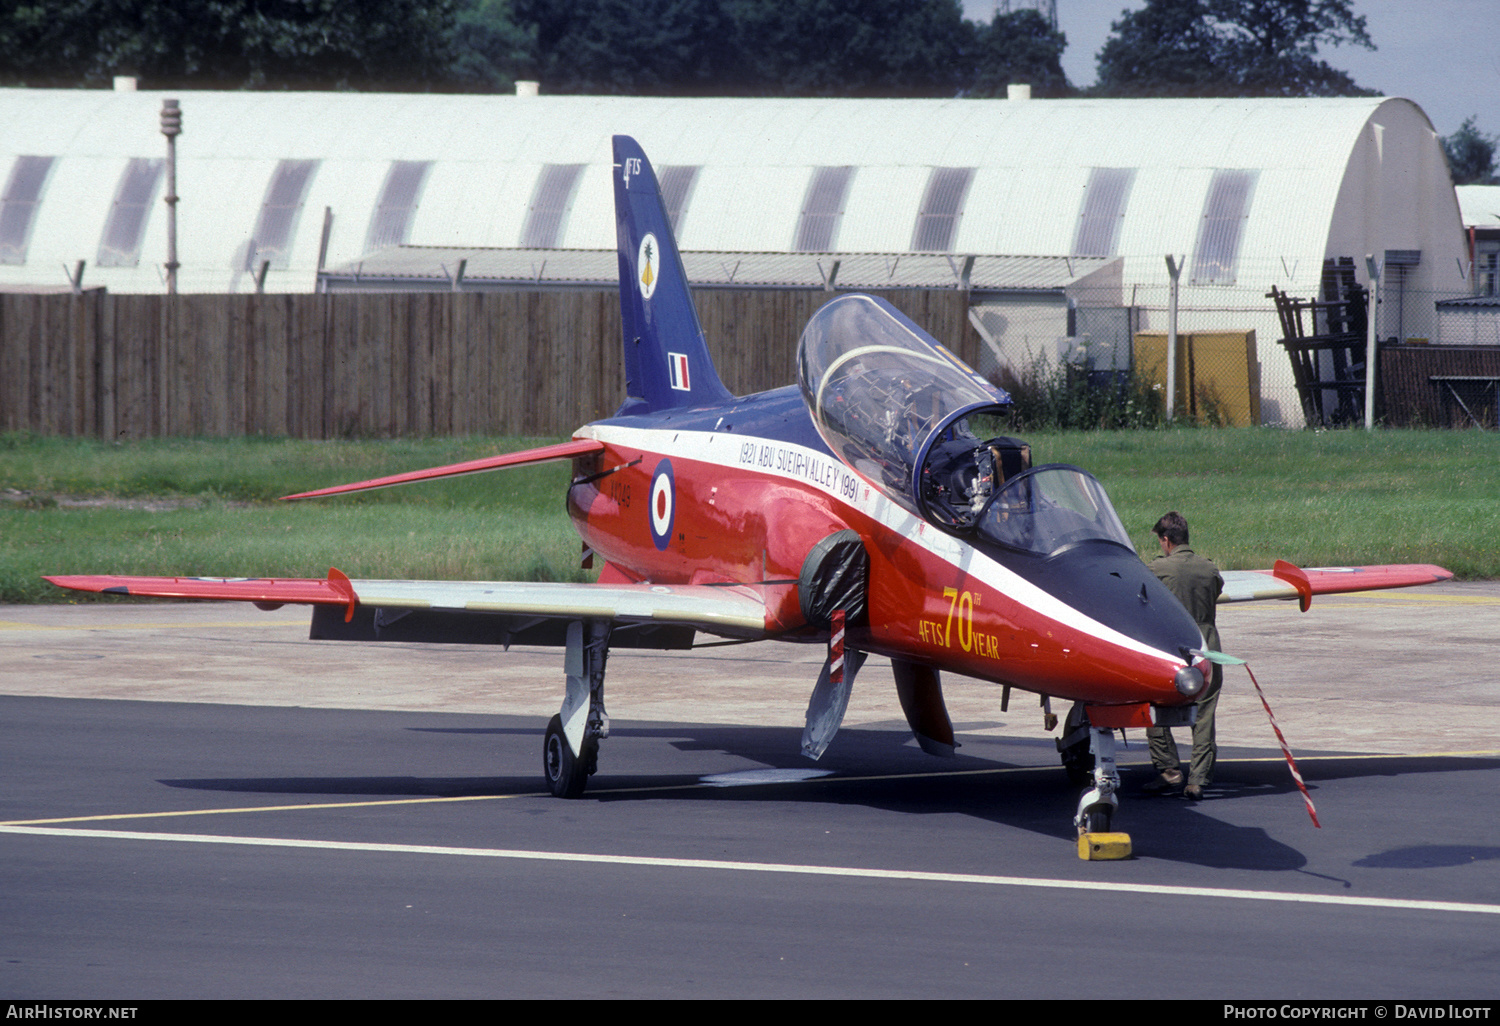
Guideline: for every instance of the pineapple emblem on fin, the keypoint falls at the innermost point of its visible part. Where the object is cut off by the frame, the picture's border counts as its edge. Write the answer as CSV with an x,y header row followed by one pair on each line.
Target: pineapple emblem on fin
x,y
648,260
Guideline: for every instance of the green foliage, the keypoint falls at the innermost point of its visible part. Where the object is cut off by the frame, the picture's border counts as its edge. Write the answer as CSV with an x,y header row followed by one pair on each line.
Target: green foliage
x,y
851,47
227,44
1048,396
491,49
1019,46
1230,48
638,47
751,47
1471,155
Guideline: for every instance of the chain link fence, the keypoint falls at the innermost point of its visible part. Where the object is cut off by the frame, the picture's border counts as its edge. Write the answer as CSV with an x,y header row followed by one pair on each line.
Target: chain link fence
x,y
1231,368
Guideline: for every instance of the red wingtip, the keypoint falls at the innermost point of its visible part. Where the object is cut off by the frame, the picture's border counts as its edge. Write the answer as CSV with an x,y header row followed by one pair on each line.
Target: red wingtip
x,y
1294,576
339,582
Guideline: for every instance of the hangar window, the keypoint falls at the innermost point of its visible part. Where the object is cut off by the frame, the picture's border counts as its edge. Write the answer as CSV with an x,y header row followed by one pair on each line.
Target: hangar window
x,y
397,206
1225,211
276,226
120,245
942,208
18,206
823,208
547,217
676,190
1103,211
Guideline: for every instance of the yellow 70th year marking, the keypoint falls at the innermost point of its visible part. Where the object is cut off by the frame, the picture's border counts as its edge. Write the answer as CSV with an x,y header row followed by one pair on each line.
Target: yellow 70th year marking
x,y
961,608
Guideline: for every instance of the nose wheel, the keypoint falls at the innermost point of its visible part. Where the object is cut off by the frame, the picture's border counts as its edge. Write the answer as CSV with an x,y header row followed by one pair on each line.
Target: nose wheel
x,y
1097,805
1098,819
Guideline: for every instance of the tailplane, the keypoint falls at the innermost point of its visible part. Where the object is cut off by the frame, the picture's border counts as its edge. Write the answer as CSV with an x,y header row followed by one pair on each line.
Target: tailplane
x,y
666,359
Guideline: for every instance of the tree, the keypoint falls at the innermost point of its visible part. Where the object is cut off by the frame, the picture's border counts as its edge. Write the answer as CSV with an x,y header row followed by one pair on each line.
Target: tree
x,y
491,47
639,47
1230,48
750,47
1021,47
1471,155
852,47
227,43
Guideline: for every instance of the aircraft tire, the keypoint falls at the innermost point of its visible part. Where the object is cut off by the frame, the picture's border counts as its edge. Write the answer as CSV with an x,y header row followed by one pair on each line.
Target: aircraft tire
x,y
1097,819
566,774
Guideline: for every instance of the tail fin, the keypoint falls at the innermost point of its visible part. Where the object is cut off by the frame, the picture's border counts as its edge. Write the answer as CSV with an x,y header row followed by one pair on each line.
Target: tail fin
x,y
666,359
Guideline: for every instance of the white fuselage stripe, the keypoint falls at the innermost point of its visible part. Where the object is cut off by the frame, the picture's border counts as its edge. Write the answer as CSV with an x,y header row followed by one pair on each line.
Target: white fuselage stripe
x,y
786,460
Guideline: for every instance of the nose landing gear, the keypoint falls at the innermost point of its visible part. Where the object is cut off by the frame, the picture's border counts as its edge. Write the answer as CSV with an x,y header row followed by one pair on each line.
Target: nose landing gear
x,y
1097,805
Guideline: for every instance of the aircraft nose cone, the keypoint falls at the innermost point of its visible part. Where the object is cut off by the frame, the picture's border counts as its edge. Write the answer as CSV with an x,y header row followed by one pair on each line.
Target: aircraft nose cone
x,y
1189,681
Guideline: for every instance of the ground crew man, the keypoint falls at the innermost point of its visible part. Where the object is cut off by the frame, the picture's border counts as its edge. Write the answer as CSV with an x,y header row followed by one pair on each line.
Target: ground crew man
x,y
1197,583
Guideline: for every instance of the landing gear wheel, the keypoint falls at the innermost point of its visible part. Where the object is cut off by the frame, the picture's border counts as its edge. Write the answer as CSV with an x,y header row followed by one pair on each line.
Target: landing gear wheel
x,y
1073,746
1097,819
566,774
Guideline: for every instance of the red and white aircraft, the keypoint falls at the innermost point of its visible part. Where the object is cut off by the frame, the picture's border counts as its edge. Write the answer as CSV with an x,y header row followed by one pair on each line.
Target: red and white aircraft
x,y
856,509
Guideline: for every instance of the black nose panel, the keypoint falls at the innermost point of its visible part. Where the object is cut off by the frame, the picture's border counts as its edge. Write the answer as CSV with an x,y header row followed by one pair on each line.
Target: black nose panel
x,y
1108,583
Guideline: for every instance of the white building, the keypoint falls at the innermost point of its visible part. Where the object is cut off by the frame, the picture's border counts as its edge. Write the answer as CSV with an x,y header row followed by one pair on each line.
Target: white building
x,y
1245,193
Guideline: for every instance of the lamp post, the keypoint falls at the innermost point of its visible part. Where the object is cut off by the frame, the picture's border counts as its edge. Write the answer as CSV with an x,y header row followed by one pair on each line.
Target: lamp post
x,y
1371,339
1174,269
171,127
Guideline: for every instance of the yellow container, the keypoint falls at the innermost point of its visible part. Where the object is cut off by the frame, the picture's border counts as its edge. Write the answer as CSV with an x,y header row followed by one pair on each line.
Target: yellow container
x,y
1218,373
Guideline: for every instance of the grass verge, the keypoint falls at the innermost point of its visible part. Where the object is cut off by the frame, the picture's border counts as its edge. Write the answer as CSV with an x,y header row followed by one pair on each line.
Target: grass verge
x,y
1252,495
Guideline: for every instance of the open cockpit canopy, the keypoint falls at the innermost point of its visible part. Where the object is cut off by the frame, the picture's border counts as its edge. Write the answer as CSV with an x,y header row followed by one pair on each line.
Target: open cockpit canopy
x,y
883,392
896,406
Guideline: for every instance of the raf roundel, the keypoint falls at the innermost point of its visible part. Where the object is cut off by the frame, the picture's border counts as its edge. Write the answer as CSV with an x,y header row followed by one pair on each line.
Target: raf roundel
x,y
663,505
648,265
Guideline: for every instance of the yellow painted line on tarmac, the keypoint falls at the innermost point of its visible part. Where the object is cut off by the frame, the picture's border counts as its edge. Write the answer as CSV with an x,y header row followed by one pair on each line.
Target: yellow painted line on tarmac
x,y
598,792
607,792
16,625
267,808
1478,753
1359,601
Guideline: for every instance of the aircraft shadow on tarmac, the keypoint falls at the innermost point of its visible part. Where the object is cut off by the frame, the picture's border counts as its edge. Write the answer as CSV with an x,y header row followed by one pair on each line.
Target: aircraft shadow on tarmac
x,y
1430,856
1018,785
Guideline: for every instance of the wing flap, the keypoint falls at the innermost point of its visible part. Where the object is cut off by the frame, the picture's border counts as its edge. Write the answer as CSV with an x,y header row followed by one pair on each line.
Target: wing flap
x,y
736,610
526,457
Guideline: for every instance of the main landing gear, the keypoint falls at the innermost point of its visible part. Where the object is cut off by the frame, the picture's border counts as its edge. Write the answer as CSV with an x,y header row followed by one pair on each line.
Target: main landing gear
x,y
570,750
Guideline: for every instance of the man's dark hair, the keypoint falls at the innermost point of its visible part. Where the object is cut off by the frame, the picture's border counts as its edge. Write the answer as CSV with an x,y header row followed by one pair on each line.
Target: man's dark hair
x,y
1173,527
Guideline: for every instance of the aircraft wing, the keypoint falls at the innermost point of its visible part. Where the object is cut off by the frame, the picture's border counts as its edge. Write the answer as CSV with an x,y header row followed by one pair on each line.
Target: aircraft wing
x,y
736,610
546,454
1286,581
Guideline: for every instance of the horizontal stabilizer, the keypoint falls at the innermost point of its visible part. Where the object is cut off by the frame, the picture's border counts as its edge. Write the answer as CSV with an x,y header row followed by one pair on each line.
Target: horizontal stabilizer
x,y
546,454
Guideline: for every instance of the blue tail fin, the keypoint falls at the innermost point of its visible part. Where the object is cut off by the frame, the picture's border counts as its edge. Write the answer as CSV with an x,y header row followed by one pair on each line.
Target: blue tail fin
x,y
666,359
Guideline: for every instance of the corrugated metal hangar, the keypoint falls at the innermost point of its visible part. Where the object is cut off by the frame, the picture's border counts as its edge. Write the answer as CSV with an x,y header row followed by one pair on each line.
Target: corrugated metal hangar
x,y
1053,213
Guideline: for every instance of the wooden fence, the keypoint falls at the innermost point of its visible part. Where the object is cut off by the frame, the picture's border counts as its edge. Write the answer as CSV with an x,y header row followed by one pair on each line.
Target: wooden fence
x,y
1439,386
373,364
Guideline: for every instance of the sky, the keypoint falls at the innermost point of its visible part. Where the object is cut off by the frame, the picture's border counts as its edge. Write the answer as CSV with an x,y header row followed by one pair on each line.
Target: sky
x,y
1444,54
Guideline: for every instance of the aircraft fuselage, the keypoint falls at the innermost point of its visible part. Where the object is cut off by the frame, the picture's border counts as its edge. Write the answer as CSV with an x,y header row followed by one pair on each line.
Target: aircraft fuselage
x,y
742,493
